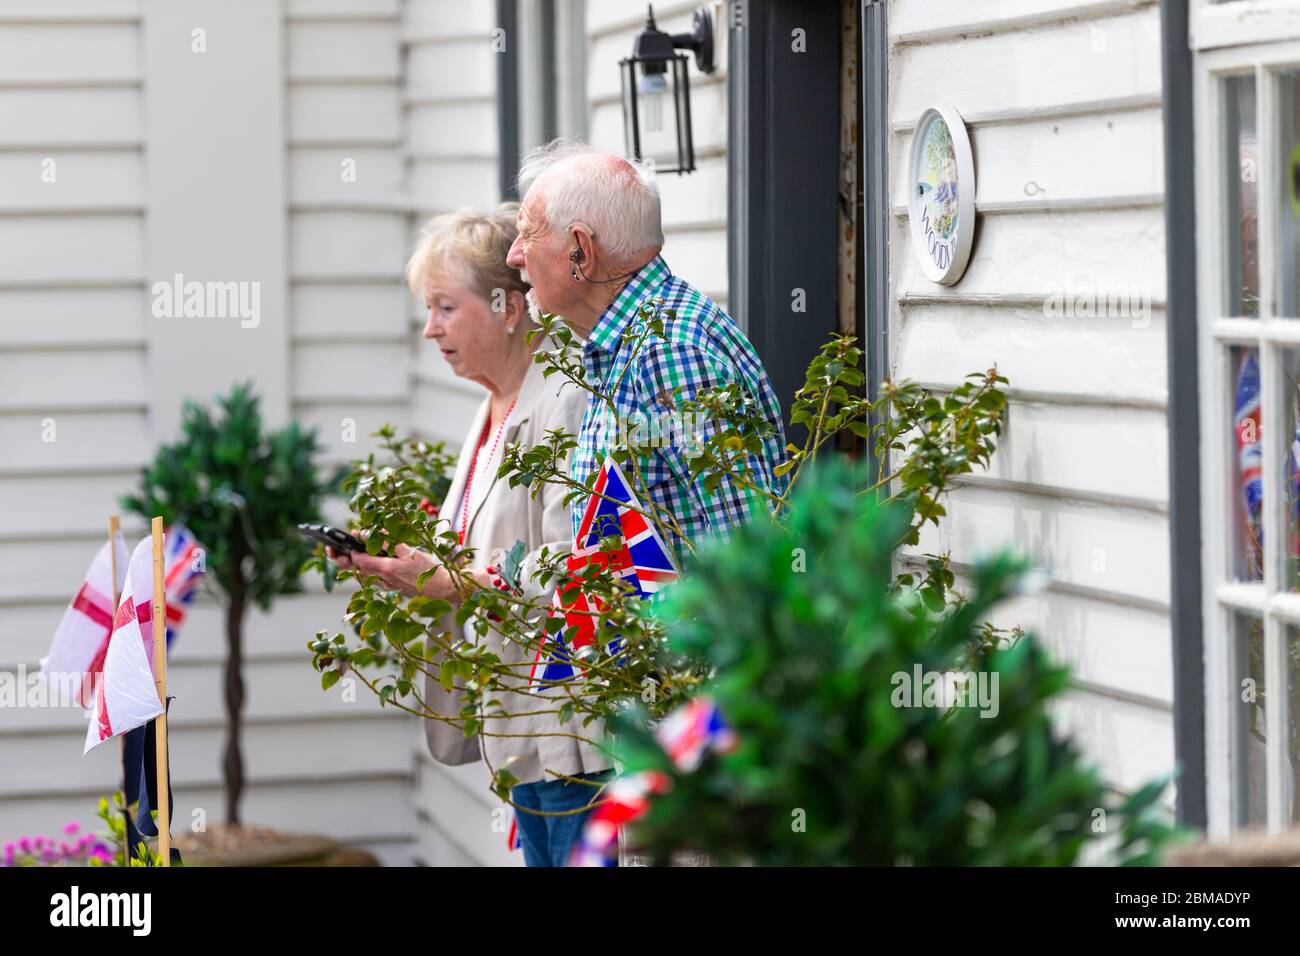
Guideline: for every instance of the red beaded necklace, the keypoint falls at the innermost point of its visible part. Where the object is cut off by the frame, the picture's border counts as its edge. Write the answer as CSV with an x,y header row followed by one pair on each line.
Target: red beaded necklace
x,y
473,466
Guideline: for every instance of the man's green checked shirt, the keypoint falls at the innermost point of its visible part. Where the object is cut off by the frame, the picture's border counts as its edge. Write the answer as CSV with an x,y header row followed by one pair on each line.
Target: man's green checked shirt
x,y
702,347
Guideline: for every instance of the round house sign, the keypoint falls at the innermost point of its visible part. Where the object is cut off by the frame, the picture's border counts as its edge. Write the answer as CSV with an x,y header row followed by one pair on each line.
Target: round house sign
x,y
941,194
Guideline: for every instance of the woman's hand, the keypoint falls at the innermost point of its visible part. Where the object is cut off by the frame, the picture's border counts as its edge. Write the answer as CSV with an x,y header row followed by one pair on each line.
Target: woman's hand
x,y
401,572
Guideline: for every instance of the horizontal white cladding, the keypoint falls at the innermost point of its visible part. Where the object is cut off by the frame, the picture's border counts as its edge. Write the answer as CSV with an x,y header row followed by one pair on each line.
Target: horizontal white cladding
x,y
439,185
300,804
377,310
375,745
452,128
343,51
1115,553
439,412
72,12
344,115
918,21
1120,359
1044,70
50,249
1055,253
337,373
35,54
85,381
1114,157
297,10
59,318
1092,451
95,441
1130,744
341,245
438,19
51,181
464,819
64,502
464,68
344,428
341,175
1124,649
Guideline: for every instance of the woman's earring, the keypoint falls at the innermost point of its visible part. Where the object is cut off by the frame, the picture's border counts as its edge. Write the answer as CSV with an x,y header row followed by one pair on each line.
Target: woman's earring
x,y
574,272
510,330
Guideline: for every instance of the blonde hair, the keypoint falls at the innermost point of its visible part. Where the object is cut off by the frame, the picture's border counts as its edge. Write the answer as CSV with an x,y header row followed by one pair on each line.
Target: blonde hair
x,y
469,247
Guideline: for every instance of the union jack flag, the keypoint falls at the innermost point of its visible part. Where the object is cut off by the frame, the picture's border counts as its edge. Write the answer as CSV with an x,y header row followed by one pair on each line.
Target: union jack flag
x,y
641,559
183,559
692,730
686,735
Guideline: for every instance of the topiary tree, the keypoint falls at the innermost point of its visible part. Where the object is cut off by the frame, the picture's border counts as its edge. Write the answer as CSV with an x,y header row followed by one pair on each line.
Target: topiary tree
x,y
815,654
242,492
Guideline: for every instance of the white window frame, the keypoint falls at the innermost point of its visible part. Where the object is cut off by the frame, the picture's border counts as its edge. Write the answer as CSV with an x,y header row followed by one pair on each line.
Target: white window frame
x,y
1245,37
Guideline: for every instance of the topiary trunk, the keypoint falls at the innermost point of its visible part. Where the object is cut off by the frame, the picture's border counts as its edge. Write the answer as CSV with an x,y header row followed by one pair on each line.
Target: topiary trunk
x,y
234,762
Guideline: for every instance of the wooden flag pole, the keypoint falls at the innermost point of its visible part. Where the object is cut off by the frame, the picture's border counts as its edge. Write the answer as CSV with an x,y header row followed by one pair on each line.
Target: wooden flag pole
x,y
160,680
114,528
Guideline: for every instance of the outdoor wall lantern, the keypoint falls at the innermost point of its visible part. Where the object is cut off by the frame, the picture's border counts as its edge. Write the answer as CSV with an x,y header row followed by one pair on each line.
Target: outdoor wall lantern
x,y
657,93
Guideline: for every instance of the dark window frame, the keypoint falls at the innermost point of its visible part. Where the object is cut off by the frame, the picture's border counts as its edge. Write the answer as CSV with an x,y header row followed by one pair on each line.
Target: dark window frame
x,y
1186,619
782,164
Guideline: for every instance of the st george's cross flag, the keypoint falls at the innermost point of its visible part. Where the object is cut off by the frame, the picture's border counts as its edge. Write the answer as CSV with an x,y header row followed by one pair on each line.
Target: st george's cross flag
x,y
125,695
81,641
82,637
642,560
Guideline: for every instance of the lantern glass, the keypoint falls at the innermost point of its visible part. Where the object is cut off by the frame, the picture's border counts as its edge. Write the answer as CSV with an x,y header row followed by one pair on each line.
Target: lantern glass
x,y
656,113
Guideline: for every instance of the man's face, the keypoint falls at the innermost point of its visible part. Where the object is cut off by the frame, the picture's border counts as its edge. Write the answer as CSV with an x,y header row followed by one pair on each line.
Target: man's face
x,y
540,256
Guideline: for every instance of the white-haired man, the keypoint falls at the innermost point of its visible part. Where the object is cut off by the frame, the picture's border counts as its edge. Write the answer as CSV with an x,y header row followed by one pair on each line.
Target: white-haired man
x,y
589,239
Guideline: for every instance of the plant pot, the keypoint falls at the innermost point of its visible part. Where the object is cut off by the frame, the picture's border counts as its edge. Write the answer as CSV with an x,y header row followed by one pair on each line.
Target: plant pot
x,y
244,845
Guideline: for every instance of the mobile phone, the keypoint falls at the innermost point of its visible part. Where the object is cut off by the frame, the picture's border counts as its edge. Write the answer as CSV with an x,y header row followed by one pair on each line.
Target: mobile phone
x,y
331,537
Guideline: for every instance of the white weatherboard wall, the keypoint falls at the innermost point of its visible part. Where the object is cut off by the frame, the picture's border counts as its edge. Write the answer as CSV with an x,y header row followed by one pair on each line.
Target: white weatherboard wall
x,y
387,115
77,355
1062,99
72,352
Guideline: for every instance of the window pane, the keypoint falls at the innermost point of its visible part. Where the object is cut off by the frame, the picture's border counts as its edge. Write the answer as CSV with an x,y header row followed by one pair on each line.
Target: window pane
x,y
1293,724
1291,465
1246,489
1248,724
1286,195
1241,213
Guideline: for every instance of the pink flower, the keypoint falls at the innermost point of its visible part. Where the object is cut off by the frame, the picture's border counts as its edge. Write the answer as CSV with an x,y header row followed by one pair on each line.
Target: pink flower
x,y
25,844
71,828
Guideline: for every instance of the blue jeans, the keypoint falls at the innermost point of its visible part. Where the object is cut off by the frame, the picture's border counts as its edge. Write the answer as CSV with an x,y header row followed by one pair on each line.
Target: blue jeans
x,y
546,840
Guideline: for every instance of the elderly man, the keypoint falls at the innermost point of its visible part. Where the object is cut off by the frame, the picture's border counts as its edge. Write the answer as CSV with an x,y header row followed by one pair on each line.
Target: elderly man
x,y
589,241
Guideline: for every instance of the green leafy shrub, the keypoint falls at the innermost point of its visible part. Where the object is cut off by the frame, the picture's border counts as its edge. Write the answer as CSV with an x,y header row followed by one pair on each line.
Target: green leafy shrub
x,y
806,638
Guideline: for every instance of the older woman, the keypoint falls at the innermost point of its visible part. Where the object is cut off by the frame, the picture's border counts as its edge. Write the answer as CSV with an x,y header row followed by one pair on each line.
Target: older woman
x,y
478,317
